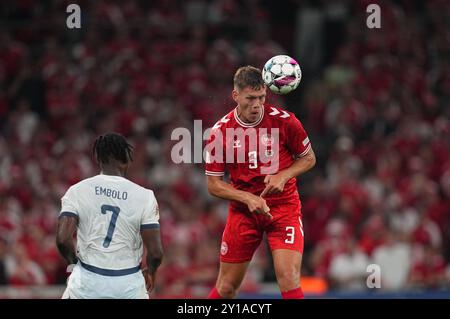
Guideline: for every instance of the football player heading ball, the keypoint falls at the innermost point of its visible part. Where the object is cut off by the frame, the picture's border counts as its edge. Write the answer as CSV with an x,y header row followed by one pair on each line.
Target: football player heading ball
x,y
259,202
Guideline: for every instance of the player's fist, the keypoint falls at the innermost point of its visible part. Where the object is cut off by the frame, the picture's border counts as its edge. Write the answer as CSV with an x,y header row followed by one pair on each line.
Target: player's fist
x,y
258,205
274,184
149,279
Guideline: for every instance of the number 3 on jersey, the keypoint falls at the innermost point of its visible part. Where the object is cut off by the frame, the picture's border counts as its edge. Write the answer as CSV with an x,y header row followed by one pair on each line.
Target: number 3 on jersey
x,y
112,224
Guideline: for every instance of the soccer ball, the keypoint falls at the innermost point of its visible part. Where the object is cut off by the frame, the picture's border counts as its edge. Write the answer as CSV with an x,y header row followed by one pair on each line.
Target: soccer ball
x,y
282,74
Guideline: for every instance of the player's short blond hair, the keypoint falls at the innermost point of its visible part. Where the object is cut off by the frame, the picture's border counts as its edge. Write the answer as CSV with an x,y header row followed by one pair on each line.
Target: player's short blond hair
x,y
248,76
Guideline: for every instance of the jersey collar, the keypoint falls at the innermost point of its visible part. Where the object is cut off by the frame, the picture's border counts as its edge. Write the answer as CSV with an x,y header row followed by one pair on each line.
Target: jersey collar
x,y
243,124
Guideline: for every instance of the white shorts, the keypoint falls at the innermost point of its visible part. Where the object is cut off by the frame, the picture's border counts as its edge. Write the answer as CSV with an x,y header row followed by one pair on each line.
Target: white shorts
x,y
85,284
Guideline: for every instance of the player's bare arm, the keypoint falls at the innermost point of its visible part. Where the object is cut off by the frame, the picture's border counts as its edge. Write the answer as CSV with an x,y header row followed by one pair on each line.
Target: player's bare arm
x,y
219,188
275,183
152,242
67,226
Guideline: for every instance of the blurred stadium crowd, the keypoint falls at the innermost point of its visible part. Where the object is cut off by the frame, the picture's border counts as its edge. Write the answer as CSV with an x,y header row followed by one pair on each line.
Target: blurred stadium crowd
x,y
374,102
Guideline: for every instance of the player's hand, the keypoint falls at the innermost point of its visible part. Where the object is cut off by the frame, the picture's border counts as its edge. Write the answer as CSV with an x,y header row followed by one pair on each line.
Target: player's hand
x,y
258,205
149,280
274,184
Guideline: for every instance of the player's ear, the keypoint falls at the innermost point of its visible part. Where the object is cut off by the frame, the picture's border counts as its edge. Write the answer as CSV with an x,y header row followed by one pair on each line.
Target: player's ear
x,y
234,95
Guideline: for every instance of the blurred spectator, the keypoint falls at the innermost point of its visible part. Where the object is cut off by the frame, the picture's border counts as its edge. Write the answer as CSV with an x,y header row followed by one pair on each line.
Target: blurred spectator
x,y
429,270
22,270
394,259
348,268
333,243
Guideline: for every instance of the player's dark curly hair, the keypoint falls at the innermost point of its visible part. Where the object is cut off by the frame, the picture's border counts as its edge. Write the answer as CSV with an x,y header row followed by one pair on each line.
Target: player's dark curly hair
x,y
248,76
112,146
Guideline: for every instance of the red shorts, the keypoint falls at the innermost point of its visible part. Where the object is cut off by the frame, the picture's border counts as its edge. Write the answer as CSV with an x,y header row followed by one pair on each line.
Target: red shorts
x,y
244,231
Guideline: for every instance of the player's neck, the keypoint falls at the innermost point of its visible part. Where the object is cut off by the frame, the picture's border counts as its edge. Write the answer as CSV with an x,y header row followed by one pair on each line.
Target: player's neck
x,y
244,120
114,171
242,117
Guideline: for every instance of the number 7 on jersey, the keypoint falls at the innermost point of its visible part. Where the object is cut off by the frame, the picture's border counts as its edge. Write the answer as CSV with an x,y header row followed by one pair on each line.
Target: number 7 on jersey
x,y
112,224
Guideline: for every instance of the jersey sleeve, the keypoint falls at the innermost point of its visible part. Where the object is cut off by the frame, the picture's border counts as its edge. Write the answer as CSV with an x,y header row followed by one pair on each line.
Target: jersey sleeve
x,y
69,205
297,139
150,218
214,154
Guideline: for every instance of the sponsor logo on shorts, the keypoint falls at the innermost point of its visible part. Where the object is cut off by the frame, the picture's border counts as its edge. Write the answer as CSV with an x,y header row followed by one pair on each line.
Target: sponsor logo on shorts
x,y
224,248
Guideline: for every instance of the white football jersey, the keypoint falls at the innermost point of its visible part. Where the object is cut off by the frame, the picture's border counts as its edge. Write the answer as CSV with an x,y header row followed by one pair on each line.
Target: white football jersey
x,y
111,211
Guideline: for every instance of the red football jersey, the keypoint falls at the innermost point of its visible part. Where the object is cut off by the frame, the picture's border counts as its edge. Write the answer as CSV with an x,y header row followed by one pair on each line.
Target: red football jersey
x,y
250,151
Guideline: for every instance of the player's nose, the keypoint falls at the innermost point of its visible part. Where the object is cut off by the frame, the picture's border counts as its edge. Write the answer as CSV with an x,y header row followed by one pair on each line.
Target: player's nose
x,y
256,106
255,109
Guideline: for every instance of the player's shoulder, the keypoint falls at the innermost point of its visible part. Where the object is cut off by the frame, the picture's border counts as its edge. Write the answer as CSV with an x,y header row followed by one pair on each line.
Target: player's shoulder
x,y
278,114
140,193
138,188
81,184
224,121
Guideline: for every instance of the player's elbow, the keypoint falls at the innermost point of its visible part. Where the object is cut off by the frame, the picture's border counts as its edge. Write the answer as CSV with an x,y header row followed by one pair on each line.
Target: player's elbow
x,y
60,243
311,158
64,232
62,240
65,249
212,185
156,253
211,189
155,257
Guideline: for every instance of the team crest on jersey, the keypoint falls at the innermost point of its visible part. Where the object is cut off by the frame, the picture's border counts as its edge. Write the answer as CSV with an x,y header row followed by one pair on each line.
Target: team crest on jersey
x,y
267,140
223,248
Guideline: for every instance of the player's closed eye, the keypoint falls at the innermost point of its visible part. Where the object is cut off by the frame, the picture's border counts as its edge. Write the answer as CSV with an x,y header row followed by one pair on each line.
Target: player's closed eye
x,y
252,98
